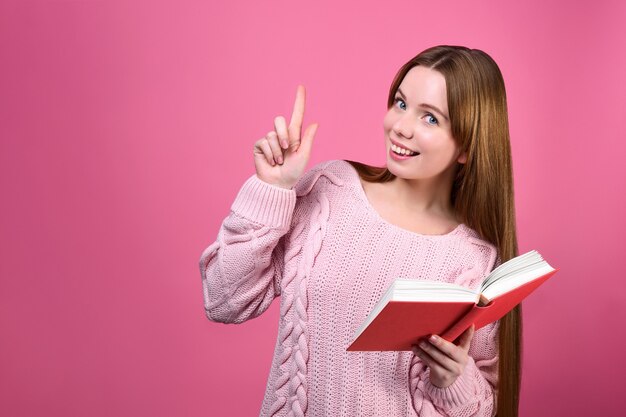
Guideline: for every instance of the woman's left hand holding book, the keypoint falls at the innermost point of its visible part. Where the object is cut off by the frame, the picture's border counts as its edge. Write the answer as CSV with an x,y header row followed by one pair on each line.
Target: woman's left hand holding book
x,y
446,360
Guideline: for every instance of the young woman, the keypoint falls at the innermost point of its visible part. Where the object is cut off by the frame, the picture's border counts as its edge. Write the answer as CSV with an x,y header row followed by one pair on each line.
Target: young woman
x,y
331,240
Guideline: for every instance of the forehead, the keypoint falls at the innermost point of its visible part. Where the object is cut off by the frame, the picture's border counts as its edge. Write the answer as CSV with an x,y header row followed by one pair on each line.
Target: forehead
x,y
425,85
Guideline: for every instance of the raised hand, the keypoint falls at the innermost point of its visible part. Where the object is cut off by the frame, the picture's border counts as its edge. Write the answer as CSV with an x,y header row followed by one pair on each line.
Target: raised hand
x,y
445,359
280,158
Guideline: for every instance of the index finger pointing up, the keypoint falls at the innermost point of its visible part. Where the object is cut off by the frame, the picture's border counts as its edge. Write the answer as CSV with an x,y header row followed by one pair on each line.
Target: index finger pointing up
x,y
295,124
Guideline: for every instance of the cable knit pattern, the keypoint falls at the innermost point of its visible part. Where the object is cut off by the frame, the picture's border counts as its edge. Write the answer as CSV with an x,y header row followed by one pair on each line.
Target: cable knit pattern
x,y
286,327
324,249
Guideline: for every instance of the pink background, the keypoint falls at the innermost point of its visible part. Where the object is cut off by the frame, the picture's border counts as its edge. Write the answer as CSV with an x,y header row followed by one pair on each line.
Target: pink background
x,y
127,129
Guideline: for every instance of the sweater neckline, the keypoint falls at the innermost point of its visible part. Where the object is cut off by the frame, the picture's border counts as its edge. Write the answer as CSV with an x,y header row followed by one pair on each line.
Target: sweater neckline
x,y
361,194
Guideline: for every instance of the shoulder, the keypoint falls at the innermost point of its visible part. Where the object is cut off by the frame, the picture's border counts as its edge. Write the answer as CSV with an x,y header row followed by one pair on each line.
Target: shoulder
x,y
331,173
478,251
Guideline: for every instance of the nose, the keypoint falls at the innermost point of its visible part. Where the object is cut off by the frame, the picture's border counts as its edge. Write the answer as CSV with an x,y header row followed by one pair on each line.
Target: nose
x,y
403,127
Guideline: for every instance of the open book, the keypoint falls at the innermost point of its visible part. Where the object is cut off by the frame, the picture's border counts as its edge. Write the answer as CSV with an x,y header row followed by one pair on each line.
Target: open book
x,y
413,309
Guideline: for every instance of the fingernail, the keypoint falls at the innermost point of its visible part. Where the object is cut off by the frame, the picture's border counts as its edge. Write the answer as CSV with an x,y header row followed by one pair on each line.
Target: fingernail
x,y
423,345
280,160
434,339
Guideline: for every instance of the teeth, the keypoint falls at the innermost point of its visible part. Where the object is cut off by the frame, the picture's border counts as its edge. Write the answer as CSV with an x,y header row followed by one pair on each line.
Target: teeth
x,y
402,151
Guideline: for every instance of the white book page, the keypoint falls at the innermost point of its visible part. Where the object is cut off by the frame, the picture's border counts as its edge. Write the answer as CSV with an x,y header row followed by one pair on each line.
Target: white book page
x,y
515,273
415,290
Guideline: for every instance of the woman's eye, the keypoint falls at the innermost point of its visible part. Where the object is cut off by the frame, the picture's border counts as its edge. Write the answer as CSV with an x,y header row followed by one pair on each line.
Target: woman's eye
x,y
431,119
399,100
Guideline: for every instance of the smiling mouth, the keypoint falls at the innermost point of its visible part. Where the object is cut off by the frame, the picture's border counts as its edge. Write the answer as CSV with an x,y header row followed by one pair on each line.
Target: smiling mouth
x,y
402,151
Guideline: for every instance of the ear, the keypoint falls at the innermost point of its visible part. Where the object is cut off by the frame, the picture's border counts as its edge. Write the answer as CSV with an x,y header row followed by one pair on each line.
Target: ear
x,y
462,158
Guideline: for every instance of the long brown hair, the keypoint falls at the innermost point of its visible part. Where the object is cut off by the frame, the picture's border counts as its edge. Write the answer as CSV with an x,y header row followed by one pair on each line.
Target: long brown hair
x,y
482,192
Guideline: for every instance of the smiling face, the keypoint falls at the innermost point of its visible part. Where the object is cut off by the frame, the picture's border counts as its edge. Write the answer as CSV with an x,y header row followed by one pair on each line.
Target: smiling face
x,y
418,121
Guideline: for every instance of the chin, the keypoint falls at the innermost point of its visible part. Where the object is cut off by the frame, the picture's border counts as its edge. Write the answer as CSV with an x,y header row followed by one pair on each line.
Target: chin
x,y
393,168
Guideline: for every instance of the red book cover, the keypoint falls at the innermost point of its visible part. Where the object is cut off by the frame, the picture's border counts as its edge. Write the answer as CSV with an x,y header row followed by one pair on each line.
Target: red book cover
x,y
401,324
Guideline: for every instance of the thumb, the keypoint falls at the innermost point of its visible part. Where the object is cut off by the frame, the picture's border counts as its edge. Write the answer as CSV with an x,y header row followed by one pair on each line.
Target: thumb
x,y
306,144
466,338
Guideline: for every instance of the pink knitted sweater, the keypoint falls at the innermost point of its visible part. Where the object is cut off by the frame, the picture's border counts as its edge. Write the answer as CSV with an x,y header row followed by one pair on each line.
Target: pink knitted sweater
x,y
330,256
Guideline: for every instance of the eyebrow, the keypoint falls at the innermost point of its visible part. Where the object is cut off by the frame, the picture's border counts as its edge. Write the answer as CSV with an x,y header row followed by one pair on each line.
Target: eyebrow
x,y
426,105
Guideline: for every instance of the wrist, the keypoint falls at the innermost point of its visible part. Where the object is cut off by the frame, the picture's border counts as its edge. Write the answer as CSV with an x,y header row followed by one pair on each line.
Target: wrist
x,y
285,186
281,184
458,392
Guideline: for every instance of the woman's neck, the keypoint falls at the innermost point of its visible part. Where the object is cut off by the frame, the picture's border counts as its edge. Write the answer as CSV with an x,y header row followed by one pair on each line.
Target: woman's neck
x,y
429,197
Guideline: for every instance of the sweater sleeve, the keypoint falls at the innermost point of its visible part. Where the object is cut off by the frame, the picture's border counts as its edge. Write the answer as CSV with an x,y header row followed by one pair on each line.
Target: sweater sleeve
x,y
241,270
